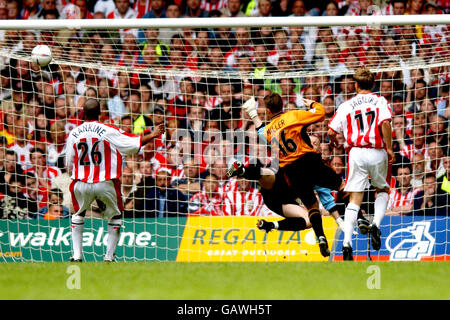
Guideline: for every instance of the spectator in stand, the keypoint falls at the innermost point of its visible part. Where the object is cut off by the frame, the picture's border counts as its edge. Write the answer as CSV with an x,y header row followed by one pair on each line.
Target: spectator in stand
x,y
190,183
150,39
337,163
128,184
434,163
13,8
163,201
44,173
347,86
57,142
14,205
11,167
443,102
244,200
438,132
401,197
179,105
227,107
418,145
48,6
429,202
55,198
193,10
208,201
416,95
415,6
243,47
33,192
443,184
330,63
264,9
123,10
418,170
134,106
233,9
22,144
134,203
400,137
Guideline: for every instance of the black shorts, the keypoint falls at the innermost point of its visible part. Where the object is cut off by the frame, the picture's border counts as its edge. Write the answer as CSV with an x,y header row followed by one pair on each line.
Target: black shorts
x,y
280,194
309,171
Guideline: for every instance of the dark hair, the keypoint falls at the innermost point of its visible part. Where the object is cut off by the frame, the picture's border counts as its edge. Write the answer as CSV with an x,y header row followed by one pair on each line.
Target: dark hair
x,y
11,153
16,178
430,175
91,109
274,103
35,149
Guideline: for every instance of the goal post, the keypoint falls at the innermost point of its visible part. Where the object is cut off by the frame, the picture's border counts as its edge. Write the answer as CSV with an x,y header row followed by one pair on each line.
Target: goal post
x,y
194,74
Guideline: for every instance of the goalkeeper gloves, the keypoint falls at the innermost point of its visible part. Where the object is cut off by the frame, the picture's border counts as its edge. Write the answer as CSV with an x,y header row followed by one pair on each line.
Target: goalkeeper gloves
x,y
250,107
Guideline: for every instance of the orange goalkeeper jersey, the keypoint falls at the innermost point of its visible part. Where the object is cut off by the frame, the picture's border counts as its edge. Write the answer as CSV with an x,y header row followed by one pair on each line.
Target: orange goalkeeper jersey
x,y
286,133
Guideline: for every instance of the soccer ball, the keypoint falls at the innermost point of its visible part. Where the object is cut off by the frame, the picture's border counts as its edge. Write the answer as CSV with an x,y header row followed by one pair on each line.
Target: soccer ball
x,y
42,55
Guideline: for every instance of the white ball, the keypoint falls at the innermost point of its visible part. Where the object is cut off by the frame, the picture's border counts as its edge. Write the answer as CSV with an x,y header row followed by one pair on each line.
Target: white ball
x,y
42,55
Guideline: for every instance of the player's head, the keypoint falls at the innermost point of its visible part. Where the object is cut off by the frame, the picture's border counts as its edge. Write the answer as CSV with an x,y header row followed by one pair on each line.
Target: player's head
x,y
274,103
364,79
91,109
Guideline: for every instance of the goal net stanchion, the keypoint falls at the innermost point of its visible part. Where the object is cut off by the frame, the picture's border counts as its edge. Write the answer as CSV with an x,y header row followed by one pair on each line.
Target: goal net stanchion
x,y
195,74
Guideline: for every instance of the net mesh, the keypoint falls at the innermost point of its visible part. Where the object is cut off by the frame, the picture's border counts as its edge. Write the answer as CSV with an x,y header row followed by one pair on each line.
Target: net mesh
x,y
196,80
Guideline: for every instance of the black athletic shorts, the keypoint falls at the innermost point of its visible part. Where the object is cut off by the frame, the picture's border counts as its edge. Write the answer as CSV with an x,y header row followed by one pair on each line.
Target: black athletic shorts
x,y
280,194
309,171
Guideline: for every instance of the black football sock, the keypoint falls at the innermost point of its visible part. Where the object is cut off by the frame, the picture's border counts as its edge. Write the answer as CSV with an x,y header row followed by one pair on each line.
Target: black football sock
x,y
292,224
316,221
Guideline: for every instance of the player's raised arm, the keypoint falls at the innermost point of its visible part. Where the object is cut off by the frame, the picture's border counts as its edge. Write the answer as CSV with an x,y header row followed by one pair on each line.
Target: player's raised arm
x,y
149,136
250,107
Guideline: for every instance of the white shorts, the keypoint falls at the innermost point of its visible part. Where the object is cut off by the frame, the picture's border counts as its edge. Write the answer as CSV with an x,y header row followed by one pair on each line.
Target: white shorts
x,y
109,192
364,163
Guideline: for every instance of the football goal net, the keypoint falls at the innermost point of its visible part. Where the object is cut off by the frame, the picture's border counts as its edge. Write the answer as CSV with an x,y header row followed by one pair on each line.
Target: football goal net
x,y
194,75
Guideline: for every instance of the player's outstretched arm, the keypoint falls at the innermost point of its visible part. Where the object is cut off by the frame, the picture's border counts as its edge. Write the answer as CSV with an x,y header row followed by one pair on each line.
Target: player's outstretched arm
x,y
157,131
250,107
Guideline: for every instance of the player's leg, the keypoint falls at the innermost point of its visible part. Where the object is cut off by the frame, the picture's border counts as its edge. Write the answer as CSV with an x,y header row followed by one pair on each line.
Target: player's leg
x,y
281,200
109,192
296,219
299,176
357,182
82,197
378,173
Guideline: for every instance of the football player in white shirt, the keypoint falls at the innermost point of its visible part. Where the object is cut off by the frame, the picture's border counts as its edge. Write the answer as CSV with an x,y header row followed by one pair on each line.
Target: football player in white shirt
x,y
94,157
365,122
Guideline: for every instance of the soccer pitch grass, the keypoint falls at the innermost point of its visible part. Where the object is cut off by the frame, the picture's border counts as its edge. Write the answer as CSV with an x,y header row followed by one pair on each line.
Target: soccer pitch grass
x,y
227,281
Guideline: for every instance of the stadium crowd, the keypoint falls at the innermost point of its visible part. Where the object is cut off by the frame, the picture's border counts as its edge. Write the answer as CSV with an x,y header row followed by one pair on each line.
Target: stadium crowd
x,y
185,170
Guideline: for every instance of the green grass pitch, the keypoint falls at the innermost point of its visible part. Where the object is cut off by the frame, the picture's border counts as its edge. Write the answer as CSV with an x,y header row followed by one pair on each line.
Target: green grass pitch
x,y
228,281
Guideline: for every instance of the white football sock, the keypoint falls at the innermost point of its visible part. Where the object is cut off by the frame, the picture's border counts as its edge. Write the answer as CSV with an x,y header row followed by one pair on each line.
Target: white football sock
x,y
113,238
350,218
77,236
381,203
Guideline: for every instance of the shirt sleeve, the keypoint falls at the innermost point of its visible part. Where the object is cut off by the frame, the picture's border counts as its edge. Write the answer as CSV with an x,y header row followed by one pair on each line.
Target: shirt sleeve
x,y
335,123
315,114
126,143
385,113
